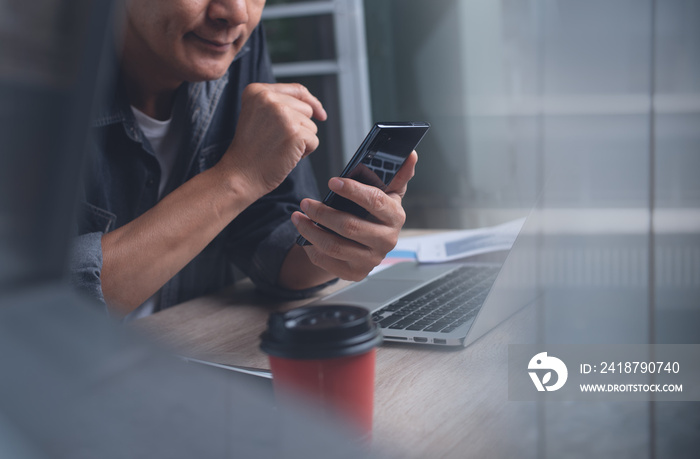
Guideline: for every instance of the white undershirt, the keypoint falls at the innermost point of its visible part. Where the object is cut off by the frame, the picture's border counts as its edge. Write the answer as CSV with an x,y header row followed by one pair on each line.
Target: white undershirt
x,y
164,140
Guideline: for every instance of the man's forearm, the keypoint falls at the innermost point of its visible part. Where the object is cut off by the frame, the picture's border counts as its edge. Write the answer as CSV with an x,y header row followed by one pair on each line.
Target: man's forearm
x,y
299,273
141,256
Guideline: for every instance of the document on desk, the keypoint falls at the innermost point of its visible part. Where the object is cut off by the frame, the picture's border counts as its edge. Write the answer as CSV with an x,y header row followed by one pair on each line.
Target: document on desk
x,y
453,245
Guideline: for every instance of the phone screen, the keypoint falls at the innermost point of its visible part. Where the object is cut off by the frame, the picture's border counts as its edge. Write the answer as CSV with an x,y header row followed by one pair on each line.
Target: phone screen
x,y
376,162
378,159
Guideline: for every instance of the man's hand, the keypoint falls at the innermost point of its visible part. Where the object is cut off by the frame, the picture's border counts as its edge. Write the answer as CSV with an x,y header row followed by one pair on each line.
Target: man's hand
x,y
274,132
365,242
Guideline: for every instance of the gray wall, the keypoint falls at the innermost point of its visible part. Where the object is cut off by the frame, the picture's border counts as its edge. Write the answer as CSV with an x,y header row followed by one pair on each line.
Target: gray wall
x,y
526,92
594,107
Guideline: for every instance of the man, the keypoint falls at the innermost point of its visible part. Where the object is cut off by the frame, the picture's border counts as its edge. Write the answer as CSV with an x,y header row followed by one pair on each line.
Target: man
x,y
200,163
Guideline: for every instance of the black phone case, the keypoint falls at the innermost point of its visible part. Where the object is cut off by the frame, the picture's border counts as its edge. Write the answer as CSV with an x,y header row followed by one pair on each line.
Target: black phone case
x,y
380,155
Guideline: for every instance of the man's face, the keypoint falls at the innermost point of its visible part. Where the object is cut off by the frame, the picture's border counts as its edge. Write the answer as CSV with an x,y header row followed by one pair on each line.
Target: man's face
x,y
188,40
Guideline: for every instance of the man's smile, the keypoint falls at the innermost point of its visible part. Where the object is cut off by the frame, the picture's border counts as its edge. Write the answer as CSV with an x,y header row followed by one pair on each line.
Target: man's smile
x,y
217,44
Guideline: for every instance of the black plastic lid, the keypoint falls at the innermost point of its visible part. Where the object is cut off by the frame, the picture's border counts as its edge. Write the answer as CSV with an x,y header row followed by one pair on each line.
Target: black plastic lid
x,y
320,332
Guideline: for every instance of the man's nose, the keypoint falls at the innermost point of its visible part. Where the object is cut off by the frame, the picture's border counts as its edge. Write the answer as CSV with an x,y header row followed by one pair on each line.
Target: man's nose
x,y
229,12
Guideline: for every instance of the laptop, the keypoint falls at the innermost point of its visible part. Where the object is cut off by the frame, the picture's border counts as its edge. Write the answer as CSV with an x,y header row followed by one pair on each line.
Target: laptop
x,y
447,304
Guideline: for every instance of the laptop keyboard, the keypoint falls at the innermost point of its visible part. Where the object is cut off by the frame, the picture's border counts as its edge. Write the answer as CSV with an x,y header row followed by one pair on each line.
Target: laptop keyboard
x,y
442,305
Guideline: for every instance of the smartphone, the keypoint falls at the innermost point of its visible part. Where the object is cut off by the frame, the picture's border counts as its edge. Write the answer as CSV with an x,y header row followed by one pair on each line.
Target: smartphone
x,y
379,157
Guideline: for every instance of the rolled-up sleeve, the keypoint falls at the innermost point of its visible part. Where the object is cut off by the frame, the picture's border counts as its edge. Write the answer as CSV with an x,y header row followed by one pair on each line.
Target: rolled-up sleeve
x,y
263,234
86,265
268,259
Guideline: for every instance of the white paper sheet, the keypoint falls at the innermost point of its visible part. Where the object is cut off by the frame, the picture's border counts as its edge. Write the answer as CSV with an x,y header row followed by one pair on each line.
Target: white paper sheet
x,y
453,245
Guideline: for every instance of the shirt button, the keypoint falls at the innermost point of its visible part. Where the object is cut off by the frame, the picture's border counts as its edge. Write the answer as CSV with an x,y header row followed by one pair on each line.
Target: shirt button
x,y
150,182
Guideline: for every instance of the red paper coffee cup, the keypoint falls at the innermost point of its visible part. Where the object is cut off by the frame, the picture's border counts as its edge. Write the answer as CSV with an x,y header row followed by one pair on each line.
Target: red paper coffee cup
x,y
326,354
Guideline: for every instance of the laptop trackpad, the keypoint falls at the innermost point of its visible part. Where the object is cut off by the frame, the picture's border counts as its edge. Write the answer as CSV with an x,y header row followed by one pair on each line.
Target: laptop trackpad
x,y
370,293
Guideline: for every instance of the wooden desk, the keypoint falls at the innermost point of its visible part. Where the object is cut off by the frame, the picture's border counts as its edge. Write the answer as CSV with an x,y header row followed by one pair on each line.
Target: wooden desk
x,y
428,402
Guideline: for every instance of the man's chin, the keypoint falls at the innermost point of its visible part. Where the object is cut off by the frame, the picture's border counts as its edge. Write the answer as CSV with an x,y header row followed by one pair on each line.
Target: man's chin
x,y
206,74
203,69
